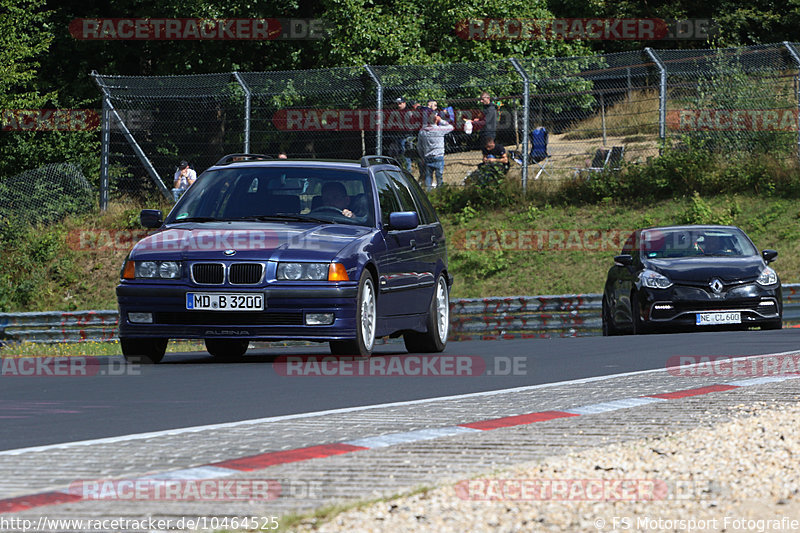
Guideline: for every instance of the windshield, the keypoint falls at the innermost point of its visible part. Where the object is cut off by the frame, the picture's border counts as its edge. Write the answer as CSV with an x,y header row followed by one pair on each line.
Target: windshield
x,y
715,242
278,193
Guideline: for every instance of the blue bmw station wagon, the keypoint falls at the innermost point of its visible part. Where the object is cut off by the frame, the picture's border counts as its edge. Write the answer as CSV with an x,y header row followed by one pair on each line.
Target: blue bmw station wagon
x,y
258,249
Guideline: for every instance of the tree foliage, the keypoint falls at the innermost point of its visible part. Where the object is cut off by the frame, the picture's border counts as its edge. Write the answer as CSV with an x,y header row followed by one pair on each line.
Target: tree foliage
x,y
43,66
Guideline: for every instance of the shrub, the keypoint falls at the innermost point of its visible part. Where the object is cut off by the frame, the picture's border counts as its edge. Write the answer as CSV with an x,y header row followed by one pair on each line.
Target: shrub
x,y
685,168
488,187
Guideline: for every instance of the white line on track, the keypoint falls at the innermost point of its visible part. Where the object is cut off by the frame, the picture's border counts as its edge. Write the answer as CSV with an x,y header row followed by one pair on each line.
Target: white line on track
x,y
225,425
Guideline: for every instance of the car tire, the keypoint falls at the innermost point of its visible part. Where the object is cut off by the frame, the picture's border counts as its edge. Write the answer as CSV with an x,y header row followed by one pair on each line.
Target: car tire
x,y
227,350
366,321
609,328
773,324
639,327
438,323
143,351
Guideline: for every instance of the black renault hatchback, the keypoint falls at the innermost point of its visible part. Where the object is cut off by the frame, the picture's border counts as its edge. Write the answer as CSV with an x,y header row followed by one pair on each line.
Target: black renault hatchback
x,y
691,277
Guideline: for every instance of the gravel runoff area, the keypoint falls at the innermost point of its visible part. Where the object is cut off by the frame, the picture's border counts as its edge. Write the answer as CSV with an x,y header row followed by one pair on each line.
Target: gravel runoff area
x,y
741,475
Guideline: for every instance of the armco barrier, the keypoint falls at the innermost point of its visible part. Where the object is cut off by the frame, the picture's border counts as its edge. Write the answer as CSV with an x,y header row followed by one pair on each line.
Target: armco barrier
x,y
567,315
59,326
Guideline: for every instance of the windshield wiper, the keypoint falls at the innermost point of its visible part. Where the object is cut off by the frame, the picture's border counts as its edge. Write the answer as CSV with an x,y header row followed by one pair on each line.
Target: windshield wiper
x,y
282,216
196,219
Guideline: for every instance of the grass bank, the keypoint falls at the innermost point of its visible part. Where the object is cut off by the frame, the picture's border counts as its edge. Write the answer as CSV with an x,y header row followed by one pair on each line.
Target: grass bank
x,y
578,242
564,248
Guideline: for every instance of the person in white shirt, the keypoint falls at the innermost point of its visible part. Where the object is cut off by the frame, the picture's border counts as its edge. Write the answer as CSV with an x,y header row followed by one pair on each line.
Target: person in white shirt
x,y
184,177
430,146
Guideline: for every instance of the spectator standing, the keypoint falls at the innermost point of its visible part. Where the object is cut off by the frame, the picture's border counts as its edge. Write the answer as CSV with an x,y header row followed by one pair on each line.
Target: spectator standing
x,y
399,144
488,123
430,145
184,177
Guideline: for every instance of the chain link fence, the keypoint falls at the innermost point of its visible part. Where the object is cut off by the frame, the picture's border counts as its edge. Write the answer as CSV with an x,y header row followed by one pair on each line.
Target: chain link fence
x,y
735,100
597,112
46,194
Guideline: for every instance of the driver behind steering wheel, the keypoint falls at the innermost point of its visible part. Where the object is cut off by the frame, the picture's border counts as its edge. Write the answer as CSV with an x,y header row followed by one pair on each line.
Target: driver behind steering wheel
x,y
712,245
335,195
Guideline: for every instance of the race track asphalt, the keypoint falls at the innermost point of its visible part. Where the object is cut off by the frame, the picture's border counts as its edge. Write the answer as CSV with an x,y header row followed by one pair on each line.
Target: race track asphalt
x,y
190,389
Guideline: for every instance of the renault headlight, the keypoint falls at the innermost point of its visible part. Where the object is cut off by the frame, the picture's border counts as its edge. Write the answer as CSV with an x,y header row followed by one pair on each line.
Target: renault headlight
x,y
767,277
653,280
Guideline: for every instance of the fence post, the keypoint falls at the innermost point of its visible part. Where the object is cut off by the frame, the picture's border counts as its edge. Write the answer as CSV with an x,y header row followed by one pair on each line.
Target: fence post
x,y
247,98
379,136
525,120
129,137
630,85
105,146
796,58
662,95
603,116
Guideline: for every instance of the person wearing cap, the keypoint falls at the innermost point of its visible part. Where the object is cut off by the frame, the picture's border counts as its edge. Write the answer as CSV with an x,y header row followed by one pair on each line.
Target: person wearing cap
x,y
185,176
399,142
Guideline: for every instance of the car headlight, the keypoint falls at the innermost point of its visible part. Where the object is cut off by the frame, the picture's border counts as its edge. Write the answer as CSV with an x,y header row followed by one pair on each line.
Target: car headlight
x,y
169,270
156,269
303,271
654,280
146,269
767,277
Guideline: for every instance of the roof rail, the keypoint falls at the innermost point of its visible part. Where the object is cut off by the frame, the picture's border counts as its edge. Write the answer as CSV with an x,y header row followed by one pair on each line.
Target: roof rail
x,y
233,158
369,160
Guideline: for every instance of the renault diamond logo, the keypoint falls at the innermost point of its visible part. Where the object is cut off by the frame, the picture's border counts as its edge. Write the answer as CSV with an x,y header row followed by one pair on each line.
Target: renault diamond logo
x,y
229,252
716,285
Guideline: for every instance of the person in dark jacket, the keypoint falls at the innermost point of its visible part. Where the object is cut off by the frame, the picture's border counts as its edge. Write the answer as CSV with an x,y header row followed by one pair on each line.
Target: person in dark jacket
x,y
488,123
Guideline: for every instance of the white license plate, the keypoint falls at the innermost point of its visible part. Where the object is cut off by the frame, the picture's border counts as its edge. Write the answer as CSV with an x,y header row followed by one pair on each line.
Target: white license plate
x,y
214,301
710,319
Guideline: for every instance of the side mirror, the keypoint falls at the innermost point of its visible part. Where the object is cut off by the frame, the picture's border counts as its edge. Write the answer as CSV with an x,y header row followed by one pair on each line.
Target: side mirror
x,y
623,260
769,255
403,220
151,218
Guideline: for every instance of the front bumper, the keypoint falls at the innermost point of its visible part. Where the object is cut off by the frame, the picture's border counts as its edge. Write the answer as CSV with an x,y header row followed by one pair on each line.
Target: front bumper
x,y
679,305
283,317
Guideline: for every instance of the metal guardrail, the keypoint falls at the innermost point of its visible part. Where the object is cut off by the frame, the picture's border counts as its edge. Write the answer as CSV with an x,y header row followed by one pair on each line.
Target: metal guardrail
x,y
59,326
566,315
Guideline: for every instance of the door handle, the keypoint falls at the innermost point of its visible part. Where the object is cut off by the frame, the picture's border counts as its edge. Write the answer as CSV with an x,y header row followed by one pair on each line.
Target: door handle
x,y
413,244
